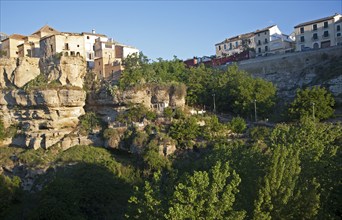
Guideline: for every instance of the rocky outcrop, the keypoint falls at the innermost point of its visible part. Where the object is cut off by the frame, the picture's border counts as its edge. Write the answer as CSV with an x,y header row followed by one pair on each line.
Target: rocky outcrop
x,y
155,98
43,116
18,71
66,70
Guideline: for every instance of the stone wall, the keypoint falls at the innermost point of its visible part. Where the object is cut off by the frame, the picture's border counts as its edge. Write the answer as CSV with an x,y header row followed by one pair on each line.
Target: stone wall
x,y
299,70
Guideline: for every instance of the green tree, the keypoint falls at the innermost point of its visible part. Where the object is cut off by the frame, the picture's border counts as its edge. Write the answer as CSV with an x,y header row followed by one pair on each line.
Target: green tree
x,y
2,130
238,125
10,193
207,195
146,203
184,131
316,101
279,184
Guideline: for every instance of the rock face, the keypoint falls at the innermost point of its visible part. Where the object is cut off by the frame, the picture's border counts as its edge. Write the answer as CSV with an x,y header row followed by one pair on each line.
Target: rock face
x,y
18,71
66,70
299,70
44,116
154,98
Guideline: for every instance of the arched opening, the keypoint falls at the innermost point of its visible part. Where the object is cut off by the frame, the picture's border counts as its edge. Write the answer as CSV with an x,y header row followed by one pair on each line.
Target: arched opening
x,y
78,54
315,46
66,54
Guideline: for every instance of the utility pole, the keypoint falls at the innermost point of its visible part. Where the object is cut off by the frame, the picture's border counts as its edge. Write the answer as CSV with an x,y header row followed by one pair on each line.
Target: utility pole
x,y
255,111
214,103
313,110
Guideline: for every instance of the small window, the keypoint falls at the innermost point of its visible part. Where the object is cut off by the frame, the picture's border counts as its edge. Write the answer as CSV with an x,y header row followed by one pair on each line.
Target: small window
x,y
259,42
338,28
265,32
259,50
236,44
51,48
225,47
325,24
326,34
219,47
302,30
78,45
259,35
314,27
302,39
87,37
266,48
338,35
266,41
230,46
66,46
315,36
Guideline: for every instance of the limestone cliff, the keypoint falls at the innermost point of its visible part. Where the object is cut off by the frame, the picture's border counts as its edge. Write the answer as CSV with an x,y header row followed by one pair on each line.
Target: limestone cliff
x,y
43,116
45,113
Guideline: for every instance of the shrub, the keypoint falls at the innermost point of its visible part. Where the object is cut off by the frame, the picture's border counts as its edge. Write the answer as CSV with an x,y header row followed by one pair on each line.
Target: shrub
x,y
89,122
259,133
238,125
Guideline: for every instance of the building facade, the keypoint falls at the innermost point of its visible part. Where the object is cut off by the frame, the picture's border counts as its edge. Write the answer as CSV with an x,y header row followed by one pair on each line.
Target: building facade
x,y
65,44
89,46
9,46
108,57
235,45
320,33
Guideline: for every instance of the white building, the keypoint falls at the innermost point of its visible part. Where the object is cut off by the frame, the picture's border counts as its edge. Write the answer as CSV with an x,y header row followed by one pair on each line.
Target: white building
x,y
89,45
320,33
234,45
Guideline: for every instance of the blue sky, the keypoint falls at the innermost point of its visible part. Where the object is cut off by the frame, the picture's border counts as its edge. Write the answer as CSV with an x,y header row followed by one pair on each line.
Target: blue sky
x,y
163,28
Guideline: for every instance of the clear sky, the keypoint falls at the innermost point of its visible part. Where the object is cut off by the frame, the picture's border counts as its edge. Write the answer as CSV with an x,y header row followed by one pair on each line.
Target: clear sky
x,y
163,28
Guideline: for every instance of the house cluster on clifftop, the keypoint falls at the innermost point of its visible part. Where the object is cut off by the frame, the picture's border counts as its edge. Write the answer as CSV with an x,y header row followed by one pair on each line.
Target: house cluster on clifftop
x,y
103,54
320,33
311,35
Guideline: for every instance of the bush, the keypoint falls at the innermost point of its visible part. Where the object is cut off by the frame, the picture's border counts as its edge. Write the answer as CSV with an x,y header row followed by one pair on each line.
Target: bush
x,y
259,133
89,122
238,125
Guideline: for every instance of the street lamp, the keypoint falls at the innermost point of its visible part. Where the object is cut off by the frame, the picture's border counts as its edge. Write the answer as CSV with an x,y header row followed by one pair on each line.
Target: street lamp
x,y
313,110
214,102
255,111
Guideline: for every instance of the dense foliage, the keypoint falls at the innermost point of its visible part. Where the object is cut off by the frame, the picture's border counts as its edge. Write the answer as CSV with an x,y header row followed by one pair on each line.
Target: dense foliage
x,y
233,90
316,102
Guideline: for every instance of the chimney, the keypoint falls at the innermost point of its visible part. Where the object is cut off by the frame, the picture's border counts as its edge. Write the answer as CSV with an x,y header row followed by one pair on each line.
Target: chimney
x,y
93,31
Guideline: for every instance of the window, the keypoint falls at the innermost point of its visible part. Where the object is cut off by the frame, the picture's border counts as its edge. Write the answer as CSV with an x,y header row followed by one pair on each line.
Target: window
x,y
326,34
315,36
302,39
51,48
266,41
236,44
259,42
87,37
259,35
265,32
302,30
230,46
259,50
314,27
78,45
66,46
225,47
266,48
338,28
219,47
338,35
325,24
